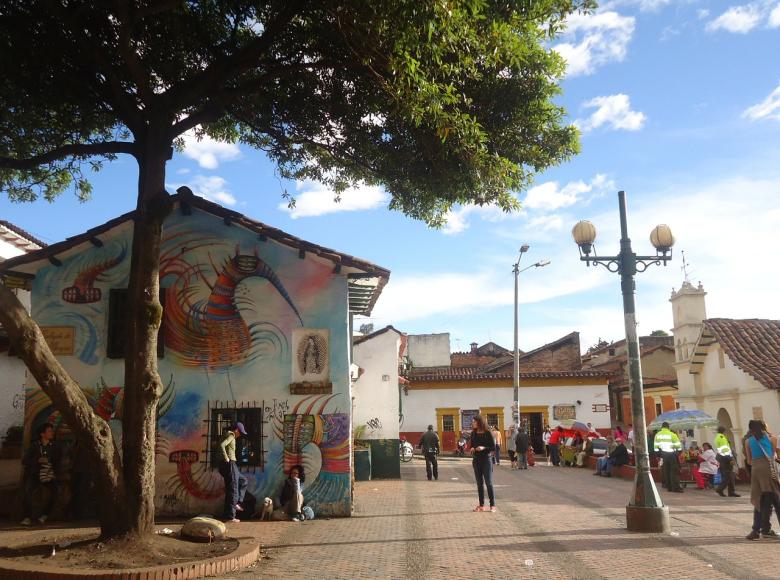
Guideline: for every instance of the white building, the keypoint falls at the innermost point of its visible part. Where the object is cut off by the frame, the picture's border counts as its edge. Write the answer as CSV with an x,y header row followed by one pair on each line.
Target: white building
x,y
13,373
553,387
376,397
730,369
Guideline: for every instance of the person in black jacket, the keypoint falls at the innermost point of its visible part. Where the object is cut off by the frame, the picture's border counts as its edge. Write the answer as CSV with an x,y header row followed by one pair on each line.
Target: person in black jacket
x,y
482,444
291,497
618,457
521,444
429,443
41,468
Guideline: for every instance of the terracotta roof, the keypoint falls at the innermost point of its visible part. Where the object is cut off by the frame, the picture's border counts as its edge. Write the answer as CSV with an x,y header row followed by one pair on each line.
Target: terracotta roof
x,y
430,374
753,345
509,359
357,286
28,242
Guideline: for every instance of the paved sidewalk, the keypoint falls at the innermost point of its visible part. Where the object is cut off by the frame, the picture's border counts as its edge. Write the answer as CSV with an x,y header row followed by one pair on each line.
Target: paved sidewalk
x,y
551,523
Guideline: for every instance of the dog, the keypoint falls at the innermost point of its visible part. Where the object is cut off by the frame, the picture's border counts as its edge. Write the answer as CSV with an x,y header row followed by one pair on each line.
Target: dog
x,y
267,509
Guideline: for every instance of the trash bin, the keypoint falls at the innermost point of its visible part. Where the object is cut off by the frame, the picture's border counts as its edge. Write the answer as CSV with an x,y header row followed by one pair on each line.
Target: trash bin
x,y
362,463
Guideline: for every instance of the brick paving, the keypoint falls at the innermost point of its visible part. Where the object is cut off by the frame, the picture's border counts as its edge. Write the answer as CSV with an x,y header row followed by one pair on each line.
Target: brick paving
x,y
555,523
551,523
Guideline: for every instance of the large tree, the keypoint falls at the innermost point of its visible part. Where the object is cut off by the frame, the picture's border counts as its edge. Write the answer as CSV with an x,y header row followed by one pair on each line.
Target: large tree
x,y
440,101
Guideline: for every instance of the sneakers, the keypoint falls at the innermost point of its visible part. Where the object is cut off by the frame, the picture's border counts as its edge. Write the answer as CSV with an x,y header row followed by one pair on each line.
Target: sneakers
x,y
233,521
238,508
26,522
43,519
479,508
493,509
720,493
771,534
754,535
297,518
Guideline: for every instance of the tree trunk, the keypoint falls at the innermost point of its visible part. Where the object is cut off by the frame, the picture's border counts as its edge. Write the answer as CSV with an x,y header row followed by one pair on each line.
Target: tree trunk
x,y
143,386
70,401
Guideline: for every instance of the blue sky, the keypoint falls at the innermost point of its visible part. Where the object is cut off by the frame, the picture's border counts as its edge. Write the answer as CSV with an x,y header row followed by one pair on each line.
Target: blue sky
x,y
679,103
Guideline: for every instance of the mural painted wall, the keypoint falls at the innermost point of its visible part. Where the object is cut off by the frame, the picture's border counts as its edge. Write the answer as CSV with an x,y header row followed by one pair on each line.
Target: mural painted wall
x,y
232,306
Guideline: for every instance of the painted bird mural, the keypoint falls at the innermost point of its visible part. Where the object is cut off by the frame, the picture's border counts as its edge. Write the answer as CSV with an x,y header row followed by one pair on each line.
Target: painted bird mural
x,y
212,334
83,290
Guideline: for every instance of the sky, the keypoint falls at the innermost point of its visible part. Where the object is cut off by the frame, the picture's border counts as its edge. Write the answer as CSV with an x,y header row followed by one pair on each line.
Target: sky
x,y
678,102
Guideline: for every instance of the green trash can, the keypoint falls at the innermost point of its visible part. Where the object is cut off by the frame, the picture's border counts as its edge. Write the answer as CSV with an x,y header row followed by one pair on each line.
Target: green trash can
x,y
362,463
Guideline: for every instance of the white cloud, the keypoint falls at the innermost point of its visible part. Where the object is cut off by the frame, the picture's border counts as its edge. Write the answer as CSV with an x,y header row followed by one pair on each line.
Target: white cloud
x,y
727,228
702,13
458,220
315,199
738,19
545,197
769,108
549,196
208,152
594,40
774,17
613,111
213,188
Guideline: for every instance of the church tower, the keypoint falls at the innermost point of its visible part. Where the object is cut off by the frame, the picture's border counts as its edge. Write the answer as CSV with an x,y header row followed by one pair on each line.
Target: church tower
x,y
688,314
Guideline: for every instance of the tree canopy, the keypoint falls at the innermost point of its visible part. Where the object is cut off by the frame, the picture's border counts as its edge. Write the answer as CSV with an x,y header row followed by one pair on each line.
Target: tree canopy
x,y
441,102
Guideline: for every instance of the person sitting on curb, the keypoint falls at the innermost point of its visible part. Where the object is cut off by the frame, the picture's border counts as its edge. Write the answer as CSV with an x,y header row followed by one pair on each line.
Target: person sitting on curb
x,y
617,457
41,468
291,497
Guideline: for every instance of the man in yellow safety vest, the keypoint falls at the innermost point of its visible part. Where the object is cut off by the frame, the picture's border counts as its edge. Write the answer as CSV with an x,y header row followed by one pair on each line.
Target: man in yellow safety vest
x,y
726,461
667,443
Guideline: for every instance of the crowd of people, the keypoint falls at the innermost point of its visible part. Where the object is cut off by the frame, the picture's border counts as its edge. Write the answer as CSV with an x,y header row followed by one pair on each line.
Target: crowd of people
x,y
711,466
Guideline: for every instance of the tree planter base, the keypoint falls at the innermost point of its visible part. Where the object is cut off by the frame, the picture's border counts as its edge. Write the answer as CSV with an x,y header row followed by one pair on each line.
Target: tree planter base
x,y
245,555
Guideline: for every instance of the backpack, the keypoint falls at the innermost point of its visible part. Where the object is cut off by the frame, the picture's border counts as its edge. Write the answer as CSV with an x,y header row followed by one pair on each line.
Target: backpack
x,y
308,513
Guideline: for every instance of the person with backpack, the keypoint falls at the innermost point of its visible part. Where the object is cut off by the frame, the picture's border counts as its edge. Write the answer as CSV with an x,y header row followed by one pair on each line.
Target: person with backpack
x,y
41,467
429,444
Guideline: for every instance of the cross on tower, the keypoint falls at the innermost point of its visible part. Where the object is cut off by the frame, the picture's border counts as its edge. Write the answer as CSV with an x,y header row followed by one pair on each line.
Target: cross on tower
x,y
684,267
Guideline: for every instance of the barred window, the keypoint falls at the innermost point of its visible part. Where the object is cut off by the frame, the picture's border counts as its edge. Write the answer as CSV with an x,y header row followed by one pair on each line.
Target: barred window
x,y
249,449
448,422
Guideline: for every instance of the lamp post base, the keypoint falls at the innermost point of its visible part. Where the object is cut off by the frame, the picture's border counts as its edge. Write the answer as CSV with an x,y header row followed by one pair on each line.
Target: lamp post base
x,y
649,520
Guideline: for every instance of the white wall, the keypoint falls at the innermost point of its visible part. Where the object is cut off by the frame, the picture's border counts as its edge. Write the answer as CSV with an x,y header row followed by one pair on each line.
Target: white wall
x,y
420,405
429,350
13,374
376,391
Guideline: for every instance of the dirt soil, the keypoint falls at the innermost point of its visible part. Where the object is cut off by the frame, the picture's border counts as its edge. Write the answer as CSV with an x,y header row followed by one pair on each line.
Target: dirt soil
x,y
75,550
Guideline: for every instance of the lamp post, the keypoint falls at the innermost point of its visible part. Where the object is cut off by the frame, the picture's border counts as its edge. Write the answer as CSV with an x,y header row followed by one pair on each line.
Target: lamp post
x,y
645,511
516,376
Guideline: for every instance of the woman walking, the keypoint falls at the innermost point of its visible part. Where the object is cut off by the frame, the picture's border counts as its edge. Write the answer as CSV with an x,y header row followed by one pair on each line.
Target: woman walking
x,y
761,451
511,447
546,440
482,445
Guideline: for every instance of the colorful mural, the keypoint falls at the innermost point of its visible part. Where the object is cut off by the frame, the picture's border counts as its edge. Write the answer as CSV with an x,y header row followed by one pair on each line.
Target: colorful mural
x,y
232,302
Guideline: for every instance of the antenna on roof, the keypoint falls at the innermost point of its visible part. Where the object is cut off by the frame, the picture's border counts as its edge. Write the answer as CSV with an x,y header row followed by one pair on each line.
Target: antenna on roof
x,y
684,267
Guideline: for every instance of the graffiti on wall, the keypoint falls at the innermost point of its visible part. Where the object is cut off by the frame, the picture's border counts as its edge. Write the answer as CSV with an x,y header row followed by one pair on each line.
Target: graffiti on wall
x,y
211,333
233,305
106,401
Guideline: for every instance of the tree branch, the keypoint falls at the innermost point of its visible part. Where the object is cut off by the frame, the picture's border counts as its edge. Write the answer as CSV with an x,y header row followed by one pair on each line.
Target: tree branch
x,y
70,150
126,17
224,69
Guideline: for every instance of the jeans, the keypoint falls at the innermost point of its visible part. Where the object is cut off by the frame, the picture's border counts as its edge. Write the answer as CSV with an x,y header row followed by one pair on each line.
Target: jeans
x,y
235,488
430,461
31,486
497,454
555,454
670,472
762,519
604,465
523,459
727,476
483,472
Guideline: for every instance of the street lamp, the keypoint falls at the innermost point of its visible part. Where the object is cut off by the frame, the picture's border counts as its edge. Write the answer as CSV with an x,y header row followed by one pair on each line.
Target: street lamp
x,y
645,511
516,377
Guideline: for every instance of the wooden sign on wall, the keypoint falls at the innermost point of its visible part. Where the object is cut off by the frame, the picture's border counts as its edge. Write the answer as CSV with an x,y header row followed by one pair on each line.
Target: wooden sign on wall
x,y
561,412
61,339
